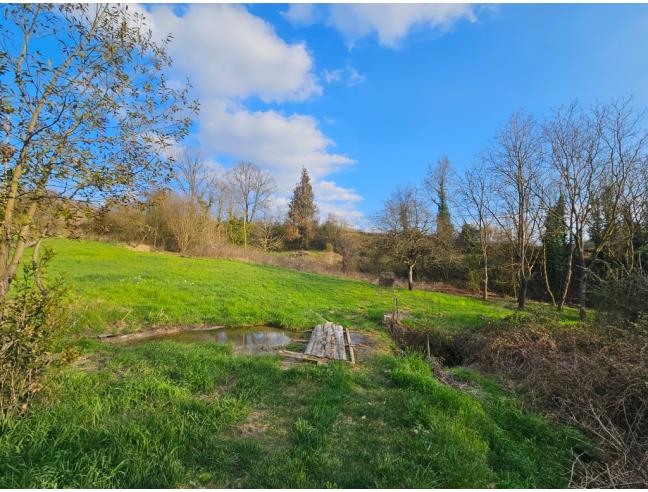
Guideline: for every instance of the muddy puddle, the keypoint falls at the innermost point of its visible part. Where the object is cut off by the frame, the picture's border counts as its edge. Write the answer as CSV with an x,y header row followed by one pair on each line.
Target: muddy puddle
x,y
257,340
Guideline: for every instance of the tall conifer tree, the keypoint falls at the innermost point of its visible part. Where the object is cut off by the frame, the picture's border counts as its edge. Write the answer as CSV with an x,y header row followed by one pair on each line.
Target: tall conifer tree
x,y
302,212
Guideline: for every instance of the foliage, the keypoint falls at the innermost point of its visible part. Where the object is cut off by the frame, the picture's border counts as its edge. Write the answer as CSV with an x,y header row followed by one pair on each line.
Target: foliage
x,y
555,244
624,299
89,117
302,212
32,322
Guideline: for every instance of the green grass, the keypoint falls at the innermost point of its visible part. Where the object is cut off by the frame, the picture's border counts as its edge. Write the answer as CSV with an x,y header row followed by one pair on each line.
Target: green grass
x,y
164,414
113,285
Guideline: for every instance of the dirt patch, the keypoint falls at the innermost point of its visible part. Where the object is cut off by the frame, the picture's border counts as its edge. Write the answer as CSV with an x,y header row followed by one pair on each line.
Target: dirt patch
x,y
91,362
140,247
265,428
254,424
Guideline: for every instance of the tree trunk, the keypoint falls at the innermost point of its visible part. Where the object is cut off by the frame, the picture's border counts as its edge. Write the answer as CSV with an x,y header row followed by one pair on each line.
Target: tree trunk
x,y
565,289
522,292
582,287
546,275
485,266
410,278
245,233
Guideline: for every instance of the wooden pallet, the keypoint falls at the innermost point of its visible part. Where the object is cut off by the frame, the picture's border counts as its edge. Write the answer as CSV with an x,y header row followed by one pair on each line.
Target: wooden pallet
x,y
330,341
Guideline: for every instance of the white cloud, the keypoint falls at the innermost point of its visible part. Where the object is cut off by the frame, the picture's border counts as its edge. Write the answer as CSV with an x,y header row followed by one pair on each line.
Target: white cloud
x,y
331,76
283,143
391,23
338,201
328,191
229,52
345,211
230,55
302,14
348,75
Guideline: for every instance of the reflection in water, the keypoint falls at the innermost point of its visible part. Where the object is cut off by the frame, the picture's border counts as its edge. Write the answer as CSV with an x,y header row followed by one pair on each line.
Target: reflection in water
x,y
253,340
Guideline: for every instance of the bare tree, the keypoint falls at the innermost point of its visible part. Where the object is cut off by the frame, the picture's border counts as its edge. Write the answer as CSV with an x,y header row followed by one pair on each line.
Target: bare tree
x,y
188,211
515,167
624,150
406,221
88,122
196,180
268,230
251,190
575,144
476,196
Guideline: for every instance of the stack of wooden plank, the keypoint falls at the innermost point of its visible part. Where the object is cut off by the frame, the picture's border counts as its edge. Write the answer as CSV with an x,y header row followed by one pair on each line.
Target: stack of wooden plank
x,y
327,341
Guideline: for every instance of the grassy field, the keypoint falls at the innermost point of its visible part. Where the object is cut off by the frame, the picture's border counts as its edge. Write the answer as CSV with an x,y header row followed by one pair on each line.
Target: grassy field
x,y
115,287
165,414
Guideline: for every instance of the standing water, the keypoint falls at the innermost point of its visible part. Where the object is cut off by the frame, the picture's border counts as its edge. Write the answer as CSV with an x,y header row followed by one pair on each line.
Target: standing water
x,y
256,340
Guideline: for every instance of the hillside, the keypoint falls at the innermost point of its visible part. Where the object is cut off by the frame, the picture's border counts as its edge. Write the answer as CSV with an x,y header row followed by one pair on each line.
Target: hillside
x,y
118,288
169,414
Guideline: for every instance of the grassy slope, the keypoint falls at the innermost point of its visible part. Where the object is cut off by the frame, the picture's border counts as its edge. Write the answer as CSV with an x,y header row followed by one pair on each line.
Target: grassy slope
x,y
163,414
113,285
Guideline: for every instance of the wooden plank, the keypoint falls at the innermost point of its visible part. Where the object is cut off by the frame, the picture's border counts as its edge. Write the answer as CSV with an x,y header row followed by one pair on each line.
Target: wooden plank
x,y
351,354
317,342
339,342
327,341
316,339
311,341
300,356
330,341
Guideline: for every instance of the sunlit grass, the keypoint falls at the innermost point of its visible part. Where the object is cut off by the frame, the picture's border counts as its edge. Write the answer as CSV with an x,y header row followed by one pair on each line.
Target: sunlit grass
x,y
113,285
164,414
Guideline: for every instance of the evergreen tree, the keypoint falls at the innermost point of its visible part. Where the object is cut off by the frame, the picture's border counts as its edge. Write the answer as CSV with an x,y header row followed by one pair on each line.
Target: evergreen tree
x,y
435,184
302,212
555,246
444,221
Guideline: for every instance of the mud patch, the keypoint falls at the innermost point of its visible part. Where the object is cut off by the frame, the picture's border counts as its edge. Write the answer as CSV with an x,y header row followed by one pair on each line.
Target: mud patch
x,y
366,344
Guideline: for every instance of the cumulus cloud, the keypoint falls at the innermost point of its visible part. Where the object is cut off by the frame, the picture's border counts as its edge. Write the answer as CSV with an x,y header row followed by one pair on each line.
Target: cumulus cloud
x,y
270,138
229,52
328,191
345,211
391,23
302,14
230,55
338,201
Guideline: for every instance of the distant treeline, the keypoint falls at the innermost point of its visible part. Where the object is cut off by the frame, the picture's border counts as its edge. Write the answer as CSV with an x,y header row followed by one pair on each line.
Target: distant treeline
x,y
552,209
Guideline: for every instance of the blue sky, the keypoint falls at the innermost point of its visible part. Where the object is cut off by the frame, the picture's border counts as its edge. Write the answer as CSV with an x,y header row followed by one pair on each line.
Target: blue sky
x,y
367,96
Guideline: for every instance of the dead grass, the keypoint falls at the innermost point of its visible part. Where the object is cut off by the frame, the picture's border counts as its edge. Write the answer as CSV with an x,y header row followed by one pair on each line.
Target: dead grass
x,y
592,376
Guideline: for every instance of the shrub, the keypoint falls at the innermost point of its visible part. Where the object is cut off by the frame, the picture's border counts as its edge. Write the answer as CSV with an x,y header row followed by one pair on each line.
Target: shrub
x,y
626,298
32,322
592,375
